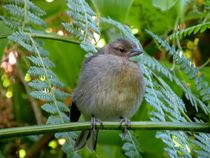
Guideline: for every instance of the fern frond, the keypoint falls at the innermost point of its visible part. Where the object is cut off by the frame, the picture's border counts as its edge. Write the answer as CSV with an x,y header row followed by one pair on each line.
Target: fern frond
x,y
131,146
56,82
167,106
45,84
83,24
156,91
177,144
38,84
41,72
23,14
162,98
32,7
122,29
157,67
189,69
203,142
58,119
52,95
42,51
190,30
36,61
182,139
52,109
21,38
54,119
42,95
14,10
60,95
153,64
12,23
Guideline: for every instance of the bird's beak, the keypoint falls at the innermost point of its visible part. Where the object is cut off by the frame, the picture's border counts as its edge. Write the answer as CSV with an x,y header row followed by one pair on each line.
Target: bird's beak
x,y
135,52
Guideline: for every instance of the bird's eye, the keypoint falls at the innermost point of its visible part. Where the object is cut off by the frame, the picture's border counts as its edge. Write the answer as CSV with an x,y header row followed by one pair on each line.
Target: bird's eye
x,y
122,50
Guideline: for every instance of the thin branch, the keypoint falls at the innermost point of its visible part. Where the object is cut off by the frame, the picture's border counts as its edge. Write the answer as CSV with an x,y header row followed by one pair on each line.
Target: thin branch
x,y
50,36
41,144
146,125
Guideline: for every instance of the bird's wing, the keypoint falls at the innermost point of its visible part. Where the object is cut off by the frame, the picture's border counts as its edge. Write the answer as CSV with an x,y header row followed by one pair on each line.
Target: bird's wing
x,y
74,113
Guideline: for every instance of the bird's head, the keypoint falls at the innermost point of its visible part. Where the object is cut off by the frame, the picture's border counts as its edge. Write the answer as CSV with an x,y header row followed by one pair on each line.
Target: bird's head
x,y
123,48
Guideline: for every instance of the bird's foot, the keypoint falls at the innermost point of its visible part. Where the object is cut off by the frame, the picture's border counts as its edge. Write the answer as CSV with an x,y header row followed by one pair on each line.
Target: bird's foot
x,y
126,123
94,122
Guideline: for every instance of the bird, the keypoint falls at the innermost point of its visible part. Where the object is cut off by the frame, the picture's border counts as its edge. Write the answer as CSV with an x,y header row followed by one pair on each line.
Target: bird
x,y
110,88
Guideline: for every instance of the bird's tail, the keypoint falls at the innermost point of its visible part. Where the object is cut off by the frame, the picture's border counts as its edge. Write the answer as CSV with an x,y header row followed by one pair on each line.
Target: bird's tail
x,y
88,137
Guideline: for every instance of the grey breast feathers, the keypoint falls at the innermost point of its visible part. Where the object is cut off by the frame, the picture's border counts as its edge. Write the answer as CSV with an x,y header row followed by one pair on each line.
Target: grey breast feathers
x,y
109,87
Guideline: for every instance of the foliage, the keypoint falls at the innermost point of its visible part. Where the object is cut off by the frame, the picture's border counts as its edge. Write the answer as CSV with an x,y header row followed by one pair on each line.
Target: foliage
x,y
191,71
46,86
164,101
131,146
191,30
83,24
167,105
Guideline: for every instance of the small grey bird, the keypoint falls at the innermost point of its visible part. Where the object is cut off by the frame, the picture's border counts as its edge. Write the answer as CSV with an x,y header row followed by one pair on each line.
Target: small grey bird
x,y
110,87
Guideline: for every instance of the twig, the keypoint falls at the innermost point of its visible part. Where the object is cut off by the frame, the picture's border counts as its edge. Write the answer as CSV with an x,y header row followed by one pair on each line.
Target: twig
x,y
51,36
146,125
39,145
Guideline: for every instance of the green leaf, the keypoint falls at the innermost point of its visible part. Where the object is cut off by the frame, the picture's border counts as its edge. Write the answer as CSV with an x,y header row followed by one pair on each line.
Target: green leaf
x,y
3,31
164,5
60,95
42,95
51,108
39,85
40,61
54,119
68,58
107,8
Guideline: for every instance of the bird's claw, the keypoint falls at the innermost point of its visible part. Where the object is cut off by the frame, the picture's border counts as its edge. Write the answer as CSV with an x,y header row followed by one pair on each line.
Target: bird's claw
x,y
94,122
126,123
